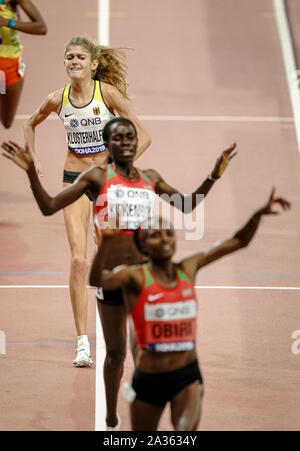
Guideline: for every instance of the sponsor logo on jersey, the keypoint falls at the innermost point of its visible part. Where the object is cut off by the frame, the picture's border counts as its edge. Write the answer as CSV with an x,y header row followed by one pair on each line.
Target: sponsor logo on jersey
x,y
90,121
120,193
154,297
170,311
74,123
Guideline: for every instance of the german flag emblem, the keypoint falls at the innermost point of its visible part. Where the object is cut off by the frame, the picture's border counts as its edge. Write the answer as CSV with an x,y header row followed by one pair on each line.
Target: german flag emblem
x,y
96,111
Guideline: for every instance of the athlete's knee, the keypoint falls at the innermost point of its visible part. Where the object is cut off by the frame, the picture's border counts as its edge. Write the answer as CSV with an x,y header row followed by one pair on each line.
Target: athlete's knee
x,y
79,265
183,424
189,419
187,422
115,356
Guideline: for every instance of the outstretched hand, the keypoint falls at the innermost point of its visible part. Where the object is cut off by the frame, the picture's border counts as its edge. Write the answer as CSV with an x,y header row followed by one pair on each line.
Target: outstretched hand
x,y
223,161
21,157
268,210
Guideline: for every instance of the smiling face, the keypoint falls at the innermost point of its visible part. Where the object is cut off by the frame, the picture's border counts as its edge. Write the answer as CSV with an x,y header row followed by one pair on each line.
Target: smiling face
x,y
122,142
78,63
159,242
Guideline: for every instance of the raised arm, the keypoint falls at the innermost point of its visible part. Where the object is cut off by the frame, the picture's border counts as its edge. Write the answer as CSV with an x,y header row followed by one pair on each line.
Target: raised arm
x,y
186,203
118,104
239,240
91,179
35,26
50,105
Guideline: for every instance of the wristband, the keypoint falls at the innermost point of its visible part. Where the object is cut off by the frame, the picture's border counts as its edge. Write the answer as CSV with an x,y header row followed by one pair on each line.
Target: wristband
x,y
213,179
11,23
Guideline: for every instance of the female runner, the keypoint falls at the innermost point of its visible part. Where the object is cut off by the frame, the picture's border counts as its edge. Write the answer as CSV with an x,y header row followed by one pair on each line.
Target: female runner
x,y
11,50
97,91
111,186
160,297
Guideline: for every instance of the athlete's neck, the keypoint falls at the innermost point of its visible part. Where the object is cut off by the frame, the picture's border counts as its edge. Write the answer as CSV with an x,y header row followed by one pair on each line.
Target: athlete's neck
x,y
125,169
82,90
164,270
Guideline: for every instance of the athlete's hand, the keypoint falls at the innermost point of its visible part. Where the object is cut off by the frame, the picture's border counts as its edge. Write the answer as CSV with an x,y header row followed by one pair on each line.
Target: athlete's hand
x,y
223,161
268,210
21,157
38,167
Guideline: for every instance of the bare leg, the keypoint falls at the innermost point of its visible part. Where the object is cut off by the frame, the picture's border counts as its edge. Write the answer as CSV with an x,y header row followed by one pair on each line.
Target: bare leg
x,y
9,103
186,408
114,322
144,416
76,218
133,343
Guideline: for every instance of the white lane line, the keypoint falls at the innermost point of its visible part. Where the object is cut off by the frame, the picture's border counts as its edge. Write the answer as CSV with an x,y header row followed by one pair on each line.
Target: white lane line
x,y
195,118
289,62
100,398
103,22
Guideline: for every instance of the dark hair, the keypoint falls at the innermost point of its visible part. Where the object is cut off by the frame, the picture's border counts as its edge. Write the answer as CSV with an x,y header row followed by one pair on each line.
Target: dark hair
x,y
136,238
107,127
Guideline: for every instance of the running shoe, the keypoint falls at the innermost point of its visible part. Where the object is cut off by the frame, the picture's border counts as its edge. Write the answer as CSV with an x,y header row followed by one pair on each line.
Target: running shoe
x,y
82,358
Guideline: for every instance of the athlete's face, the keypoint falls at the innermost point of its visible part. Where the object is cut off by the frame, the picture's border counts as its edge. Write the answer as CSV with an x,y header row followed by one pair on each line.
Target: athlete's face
x,y
160,243
122,142
78,63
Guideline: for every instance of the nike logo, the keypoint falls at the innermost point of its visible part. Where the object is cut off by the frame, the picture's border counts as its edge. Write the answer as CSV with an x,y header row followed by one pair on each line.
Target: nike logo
x,y
154,297
67,115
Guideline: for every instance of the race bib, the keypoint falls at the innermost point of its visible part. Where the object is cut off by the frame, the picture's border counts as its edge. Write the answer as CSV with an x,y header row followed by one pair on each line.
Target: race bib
x,y
170,326
130,205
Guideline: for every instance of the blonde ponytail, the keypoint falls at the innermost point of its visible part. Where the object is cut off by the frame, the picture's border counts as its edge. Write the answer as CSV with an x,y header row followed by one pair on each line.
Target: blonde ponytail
x,y
112,66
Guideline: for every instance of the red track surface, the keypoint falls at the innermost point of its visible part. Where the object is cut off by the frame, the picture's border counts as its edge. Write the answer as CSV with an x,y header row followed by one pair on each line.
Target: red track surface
x,y
202,58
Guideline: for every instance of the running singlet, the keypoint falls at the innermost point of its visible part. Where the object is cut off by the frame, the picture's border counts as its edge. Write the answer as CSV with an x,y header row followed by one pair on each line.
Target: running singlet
x,y
10,45
131,201
165,318
84,125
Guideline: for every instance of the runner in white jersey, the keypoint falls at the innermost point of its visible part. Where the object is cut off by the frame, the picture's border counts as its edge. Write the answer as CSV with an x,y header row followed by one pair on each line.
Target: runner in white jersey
x,y
84,124
97,92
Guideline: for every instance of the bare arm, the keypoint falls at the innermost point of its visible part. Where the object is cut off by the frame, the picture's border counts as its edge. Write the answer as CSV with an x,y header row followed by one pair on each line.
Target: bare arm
x,y
91,179
186,203
50,105
37,24
239,240
118,104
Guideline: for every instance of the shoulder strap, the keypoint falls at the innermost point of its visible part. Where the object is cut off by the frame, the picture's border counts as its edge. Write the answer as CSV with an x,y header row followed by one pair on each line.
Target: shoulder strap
x,y
97,93
65,96
144,176
110,171
148,277
183,276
